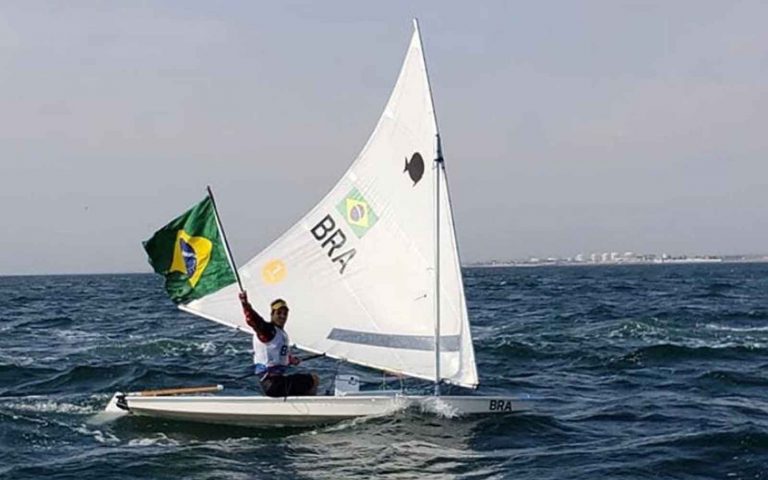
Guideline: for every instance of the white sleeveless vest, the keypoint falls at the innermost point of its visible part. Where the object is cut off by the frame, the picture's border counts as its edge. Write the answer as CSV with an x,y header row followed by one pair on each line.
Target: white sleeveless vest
x,y
273,355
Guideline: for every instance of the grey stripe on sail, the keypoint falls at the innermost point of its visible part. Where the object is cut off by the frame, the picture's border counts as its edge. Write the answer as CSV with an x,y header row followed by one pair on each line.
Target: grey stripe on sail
x,y
448,343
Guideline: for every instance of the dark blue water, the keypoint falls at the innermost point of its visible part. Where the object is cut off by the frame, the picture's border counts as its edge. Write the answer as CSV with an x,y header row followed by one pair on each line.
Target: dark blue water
x,y
631,372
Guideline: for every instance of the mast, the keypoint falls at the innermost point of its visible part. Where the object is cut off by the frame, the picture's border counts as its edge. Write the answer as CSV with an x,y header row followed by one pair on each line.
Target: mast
x,y
438,167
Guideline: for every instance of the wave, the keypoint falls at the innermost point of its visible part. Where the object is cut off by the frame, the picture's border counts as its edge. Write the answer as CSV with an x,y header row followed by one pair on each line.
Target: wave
x,y
508,349
618,414
731,378
11,363
747,437
159,439
728,328
46,405
99,436
721,286
44,380
671,351
159,348
21,320
718,295
15,376
643,328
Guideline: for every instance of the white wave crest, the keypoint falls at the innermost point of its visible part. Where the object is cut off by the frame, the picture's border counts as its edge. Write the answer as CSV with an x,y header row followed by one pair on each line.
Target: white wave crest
x,y
208,348
161,440
725,328
16,360
437,406
98,435
49,406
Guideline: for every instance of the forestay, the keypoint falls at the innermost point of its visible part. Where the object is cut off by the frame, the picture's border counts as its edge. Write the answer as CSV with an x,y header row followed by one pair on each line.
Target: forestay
x,y
358,270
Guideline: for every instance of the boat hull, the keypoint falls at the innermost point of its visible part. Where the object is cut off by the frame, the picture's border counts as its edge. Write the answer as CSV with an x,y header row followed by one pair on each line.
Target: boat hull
x,y
253,411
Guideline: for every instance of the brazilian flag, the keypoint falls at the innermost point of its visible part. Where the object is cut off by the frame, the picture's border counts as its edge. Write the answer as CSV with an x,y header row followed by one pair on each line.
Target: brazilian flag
x,y
357,212
190,254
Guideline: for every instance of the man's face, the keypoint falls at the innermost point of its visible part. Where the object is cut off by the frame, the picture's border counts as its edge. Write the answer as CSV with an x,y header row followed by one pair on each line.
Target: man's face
x,y
280,316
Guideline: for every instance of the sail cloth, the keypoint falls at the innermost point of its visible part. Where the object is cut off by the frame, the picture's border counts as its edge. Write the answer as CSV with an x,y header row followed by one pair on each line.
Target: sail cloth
x,y
358,270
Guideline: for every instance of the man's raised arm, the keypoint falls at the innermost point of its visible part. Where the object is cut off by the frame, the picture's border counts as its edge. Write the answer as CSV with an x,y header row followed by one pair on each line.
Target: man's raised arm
x,y
264,331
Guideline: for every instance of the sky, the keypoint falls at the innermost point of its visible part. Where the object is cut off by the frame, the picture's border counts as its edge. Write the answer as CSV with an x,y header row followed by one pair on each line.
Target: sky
x,y
567,127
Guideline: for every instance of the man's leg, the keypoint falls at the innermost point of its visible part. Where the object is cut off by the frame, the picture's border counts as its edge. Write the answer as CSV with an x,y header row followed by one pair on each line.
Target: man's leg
x,y
315,384
302,384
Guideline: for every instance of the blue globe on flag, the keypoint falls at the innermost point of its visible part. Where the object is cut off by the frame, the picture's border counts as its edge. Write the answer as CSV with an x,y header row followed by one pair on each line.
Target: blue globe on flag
x,y
190,259
357,212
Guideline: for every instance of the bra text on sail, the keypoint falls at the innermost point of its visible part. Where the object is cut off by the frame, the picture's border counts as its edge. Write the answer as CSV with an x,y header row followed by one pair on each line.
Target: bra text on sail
x,y
330,236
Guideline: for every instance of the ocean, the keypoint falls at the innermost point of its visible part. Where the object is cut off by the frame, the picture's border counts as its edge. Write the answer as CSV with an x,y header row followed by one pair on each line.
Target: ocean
x,y
628,372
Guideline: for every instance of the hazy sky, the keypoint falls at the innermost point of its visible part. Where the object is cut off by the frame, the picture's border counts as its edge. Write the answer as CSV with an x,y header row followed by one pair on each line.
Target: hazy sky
x,y
567,126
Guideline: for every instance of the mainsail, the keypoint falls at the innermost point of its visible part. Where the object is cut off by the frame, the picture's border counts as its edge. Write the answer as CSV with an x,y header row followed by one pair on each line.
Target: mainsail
x,y
358,271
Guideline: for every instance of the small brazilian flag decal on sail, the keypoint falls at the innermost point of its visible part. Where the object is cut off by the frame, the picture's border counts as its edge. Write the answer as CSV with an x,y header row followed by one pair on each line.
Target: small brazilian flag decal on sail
x,y
190,254
359,215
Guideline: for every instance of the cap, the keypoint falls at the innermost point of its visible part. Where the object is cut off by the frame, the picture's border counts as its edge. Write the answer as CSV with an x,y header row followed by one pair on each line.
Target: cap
x,y
278,304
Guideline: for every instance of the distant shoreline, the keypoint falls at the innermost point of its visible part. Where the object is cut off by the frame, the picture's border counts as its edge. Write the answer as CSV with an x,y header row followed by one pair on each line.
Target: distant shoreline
x,y
520,264
615,264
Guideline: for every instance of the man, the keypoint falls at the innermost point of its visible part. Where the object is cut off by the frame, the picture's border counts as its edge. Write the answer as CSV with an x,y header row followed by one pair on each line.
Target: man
x,y
271,356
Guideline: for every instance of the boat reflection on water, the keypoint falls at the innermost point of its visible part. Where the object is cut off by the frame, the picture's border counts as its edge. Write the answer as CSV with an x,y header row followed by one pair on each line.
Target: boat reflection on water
x,y
399,445
395,445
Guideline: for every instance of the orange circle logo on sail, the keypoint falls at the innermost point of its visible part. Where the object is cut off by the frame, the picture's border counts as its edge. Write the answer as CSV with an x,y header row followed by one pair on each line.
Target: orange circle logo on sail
x,y
273,272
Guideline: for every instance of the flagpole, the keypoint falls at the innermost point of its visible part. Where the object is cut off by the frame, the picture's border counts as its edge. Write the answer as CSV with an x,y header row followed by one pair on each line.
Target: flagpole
x,y
224,239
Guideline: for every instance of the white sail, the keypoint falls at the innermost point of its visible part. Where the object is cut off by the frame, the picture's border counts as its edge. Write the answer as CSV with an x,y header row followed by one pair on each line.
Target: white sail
x,y
358,270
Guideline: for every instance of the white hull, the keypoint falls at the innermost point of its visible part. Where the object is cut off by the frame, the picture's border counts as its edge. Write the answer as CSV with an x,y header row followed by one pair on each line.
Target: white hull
x,y
253,411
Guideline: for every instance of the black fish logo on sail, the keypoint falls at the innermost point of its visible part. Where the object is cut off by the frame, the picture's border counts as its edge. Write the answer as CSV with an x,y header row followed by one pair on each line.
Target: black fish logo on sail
x,y
415,167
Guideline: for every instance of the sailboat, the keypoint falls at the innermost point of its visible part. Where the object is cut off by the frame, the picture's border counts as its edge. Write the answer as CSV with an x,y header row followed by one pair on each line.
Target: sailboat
x,y
373,278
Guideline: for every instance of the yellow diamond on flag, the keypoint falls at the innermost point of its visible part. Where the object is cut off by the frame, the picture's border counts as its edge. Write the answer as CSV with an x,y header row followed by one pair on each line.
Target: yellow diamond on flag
x,y
190,256
357,213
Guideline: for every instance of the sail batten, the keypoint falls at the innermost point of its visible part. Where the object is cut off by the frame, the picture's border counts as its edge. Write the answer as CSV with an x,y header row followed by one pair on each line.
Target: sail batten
x,y
358,270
